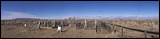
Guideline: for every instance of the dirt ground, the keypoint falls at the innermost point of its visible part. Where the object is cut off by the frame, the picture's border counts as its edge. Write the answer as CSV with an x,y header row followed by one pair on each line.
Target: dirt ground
x,y
15,31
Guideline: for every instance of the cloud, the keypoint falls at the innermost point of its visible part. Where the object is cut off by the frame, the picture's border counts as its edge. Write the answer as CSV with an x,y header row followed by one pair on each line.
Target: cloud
x,y
11,15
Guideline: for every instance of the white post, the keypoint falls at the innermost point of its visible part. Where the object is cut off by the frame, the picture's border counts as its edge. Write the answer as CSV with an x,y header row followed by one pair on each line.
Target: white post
x,y
62,23
44,23
70,25
47,23
85,25
38,26
53,23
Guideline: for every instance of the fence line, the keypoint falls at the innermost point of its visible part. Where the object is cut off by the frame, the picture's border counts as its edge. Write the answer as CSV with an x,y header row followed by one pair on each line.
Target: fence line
x,y
144,31
152,32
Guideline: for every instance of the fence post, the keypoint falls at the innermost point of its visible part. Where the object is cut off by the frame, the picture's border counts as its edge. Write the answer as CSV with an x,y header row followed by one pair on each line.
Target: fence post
x,y
113,29
96,30
44,23
95,24
38,27
76,26
53,24
62,23
122,31
145,34
85,25
74,20
47,23
114,26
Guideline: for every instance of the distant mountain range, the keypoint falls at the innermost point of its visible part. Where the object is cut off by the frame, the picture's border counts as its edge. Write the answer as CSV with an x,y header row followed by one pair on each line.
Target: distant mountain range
x,y
26,19
96,17
114,17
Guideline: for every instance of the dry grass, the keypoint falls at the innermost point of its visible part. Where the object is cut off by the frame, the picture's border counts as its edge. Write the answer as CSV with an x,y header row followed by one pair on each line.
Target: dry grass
x,y
18,30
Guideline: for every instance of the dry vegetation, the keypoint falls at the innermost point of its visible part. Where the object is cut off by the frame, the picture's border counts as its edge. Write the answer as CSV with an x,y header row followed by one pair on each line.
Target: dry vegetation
x,y
15,29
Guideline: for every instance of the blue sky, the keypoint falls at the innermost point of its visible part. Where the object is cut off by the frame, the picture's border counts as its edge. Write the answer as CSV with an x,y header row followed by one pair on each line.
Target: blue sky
x,y
60,9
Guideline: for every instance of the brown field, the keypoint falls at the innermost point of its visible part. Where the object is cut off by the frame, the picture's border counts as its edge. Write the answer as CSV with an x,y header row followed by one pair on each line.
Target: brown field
x,y
15,29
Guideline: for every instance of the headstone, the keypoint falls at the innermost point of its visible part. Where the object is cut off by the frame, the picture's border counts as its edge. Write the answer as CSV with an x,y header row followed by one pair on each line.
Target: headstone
x,y
25,25
59,29
70,25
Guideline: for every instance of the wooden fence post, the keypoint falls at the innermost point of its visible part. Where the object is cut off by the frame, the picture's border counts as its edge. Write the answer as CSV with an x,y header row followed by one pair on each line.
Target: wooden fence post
x,y
95,24
113,29
96,30
74,20
62,23
145,34
77,26
122,31
47,23
114,26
